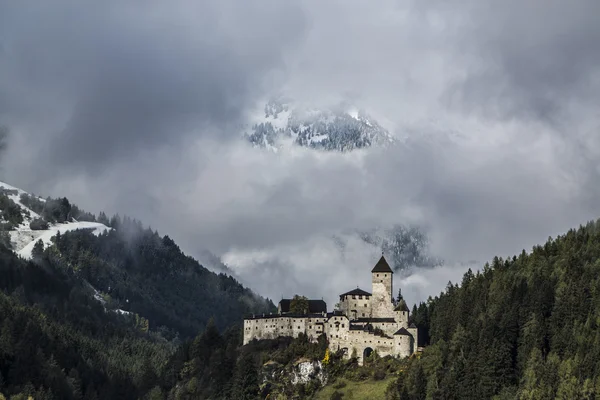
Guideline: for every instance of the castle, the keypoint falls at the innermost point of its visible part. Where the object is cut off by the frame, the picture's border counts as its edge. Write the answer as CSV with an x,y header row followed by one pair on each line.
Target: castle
x,y
363,322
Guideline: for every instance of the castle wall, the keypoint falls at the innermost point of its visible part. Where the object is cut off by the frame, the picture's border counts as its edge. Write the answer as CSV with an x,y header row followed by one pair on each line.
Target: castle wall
x,y
357,307
376,310
381,301
401,319
360,340
272,327
403,345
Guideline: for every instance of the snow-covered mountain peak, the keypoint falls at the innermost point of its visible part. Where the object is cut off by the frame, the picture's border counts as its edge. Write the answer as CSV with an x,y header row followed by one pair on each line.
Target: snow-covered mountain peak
x,y
332,129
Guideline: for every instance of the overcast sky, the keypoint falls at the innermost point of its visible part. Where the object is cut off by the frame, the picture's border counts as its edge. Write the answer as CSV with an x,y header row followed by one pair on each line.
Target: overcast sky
x,y
137,110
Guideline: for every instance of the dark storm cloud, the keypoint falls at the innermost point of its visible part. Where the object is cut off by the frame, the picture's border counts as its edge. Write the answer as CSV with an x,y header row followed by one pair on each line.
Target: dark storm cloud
x,y
135,77
526,59
124,109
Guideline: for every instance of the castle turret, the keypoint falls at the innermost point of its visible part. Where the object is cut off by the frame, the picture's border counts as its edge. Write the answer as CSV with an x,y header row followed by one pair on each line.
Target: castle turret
x,y
381,277
402,313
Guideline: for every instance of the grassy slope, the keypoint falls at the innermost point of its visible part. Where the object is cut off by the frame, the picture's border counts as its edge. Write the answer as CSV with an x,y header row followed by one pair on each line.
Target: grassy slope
x,y
369,389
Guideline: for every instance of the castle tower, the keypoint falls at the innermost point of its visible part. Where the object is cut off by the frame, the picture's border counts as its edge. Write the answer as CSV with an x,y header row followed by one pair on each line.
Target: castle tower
x,y
381,278
402,314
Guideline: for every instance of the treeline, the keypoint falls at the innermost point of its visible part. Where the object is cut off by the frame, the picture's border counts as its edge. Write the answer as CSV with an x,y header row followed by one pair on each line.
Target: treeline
x,y
62,339
57,342
137,270
49,210
524,327
55,210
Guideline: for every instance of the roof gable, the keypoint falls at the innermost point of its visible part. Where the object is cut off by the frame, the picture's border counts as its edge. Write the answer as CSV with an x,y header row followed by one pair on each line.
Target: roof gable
x,y
356,292
402,306
403,332
382,266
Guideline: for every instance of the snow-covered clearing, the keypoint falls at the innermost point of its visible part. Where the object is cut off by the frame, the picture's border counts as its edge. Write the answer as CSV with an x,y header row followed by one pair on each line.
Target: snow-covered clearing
x,y
46,235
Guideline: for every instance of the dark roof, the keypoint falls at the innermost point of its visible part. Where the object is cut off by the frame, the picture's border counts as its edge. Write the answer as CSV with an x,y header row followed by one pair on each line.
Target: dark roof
x,y
357,291
402,306
382,266
403,331
375,320
314,306
288,315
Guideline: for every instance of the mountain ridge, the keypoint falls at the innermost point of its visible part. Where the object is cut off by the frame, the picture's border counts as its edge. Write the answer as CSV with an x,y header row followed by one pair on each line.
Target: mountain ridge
x,y
336,128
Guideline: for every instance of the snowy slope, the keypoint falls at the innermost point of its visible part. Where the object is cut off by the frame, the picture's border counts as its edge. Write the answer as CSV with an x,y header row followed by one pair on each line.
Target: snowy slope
x,y
23,238
46,235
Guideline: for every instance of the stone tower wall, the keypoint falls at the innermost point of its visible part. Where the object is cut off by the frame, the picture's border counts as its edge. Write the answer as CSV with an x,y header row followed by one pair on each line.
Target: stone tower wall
x,y
381,301
361,305
401,318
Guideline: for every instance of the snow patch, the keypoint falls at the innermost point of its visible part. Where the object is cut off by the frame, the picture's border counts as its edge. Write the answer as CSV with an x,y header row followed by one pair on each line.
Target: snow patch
x,y
47,235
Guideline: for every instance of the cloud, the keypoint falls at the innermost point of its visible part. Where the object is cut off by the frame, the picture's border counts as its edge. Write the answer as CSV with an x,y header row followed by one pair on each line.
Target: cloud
x,y
121,78
137,111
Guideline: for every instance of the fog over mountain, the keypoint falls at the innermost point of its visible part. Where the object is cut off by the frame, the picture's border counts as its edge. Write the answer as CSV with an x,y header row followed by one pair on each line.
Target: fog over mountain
x,y
491,107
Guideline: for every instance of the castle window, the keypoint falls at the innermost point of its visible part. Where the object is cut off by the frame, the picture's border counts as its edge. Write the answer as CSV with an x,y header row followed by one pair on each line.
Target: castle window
x,y
353,297
298,327
342,325
360,297
378,275
363,314
365,304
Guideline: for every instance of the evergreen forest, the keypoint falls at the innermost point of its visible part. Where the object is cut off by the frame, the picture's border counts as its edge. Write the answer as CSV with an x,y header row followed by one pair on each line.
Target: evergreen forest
x,y
126,315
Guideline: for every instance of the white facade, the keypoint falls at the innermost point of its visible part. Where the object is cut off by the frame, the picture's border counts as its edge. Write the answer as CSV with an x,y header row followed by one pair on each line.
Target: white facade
x,y
365,322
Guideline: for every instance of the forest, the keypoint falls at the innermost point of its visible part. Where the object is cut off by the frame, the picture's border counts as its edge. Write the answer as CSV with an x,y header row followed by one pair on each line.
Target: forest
x,y
126,314
524,327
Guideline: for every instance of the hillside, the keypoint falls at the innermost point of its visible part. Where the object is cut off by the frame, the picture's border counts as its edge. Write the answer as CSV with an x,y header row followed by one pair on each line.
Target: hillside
x,y
108,309
525,327
127,267
96,308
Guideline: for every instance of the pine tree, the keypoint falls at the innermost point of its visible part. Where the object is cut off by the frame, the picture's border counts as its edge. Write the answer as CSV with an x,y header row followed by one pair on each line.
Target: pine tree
x,y
38,250
246,382
400,297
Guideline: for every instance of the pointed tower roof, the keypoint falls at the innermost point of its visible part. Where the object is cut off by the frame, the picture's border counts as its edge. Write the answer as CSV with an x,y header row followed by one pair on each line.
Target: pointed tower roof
x,y
382,266
402,306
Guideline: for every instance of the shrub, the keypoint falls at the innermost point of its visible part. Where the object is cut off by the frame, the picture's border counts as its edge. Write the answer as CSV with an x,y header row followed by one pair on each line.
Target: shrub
x,y
339,385
38,224
336,396
379,374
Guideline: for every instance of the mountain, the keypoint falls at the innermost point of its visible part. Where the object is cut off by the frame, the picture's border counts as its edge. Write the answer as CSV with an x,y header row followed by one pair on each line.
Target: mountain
x,y
405,247
129,268
335,129
101,309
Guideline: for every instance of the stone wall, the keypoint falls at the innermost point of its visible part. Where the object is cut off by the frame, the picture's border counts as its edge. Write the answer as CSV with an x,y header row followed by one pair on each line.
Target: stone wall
x,y
401,319
272,327
362,305
381,301
376,310
359,341
403,345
